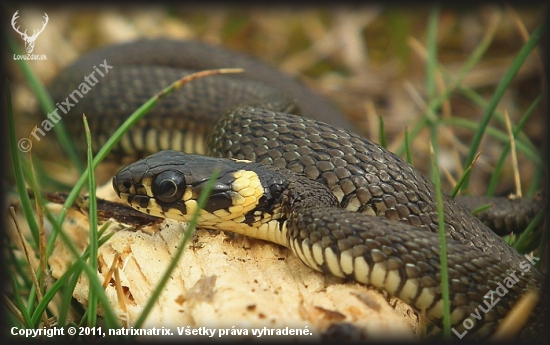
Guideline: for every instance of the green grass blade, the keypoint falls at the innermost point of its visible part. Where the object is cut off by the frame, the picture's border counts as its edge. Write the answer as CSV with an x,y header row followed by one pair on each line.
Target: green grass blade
x,y
536,179
498,168
408,147
47,106
478,100
19,303
188,233
480,209
140,112
67,297
114,139
74,269
108,314
442,247
495,133
465,174
431,66
499,92
381,132
545,237
18,171
18,264
93,246
436,103
524,243
431,45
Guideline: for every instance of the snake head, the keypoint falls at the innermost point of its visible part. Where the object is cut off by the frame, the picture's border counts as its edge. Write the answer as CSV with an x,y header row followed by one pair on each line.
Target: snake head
x,y
168,184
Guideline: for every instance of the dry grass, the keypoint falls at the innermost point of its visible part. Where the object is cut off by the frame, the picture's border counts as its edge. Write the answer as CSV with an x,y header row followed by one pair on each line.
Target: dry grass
x,y
368,59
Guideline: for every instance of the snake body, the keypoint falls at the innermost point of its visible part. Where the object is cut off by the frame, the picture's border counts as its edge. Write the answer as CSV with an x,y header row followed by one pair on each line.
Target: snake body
x,y
343,204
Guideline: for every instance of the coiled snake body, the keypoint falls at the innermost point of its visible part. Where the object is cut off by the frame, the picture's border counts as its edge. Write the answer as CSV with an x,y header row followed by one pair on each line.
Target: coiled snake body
x,y
344,205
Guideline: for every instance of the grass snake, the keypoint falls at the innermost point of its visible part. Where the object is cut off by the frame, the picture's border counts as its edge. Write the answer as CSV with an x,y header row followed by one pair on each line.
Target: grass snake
x,y
343,204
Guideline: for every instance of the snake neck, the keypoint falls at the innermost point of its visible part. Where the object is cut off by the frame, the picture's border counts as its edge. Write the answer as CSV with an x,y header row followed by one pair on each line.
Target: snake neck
x,y
284,194
269,220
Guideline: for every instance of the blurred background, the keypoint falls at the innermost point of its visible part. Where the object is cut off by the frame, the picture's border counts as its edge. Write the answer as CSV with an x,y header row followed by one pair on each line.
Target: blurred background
x,y
370,60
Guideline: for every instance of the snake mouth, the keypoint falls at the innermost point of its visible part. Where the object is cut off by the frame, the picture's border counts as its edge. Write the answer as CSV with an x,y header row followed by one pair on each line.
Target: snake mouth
x,y
129,191
125,184
116,185
138,202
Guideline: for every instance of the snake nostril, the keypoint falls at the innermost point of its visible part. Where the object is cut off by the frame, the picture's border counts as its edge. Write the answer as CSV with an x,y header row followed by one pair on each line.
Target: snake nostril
x,y
127,185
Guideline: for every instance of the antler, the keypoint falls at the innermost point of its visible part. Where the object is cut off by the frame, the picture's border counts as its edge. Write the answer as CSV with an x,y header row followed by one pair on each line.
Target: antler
x,y
13,19
43,25
24,34
29,41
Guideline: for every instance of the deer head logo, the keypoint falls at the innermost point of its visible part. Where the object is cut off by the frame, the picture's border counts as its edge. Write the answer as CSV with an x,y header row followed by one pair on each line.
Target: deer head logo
x,y
29,40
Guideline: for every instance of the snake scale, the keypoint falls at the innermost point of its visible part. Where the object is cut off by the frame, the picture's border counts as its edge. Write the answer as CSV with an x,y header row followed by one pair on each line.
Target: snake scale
x,y
343,204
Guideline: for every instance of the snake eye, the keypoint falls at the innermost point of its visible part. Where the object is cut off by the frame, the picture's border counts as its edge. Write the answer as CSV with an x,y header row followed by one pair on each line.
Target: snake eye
x,y
168,187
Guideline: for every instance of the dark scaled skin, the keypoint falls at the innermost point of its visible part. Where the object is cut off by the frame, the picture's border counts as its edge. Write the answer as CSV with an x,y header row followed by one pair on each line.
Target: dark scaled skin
x,y
409,252
394,218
